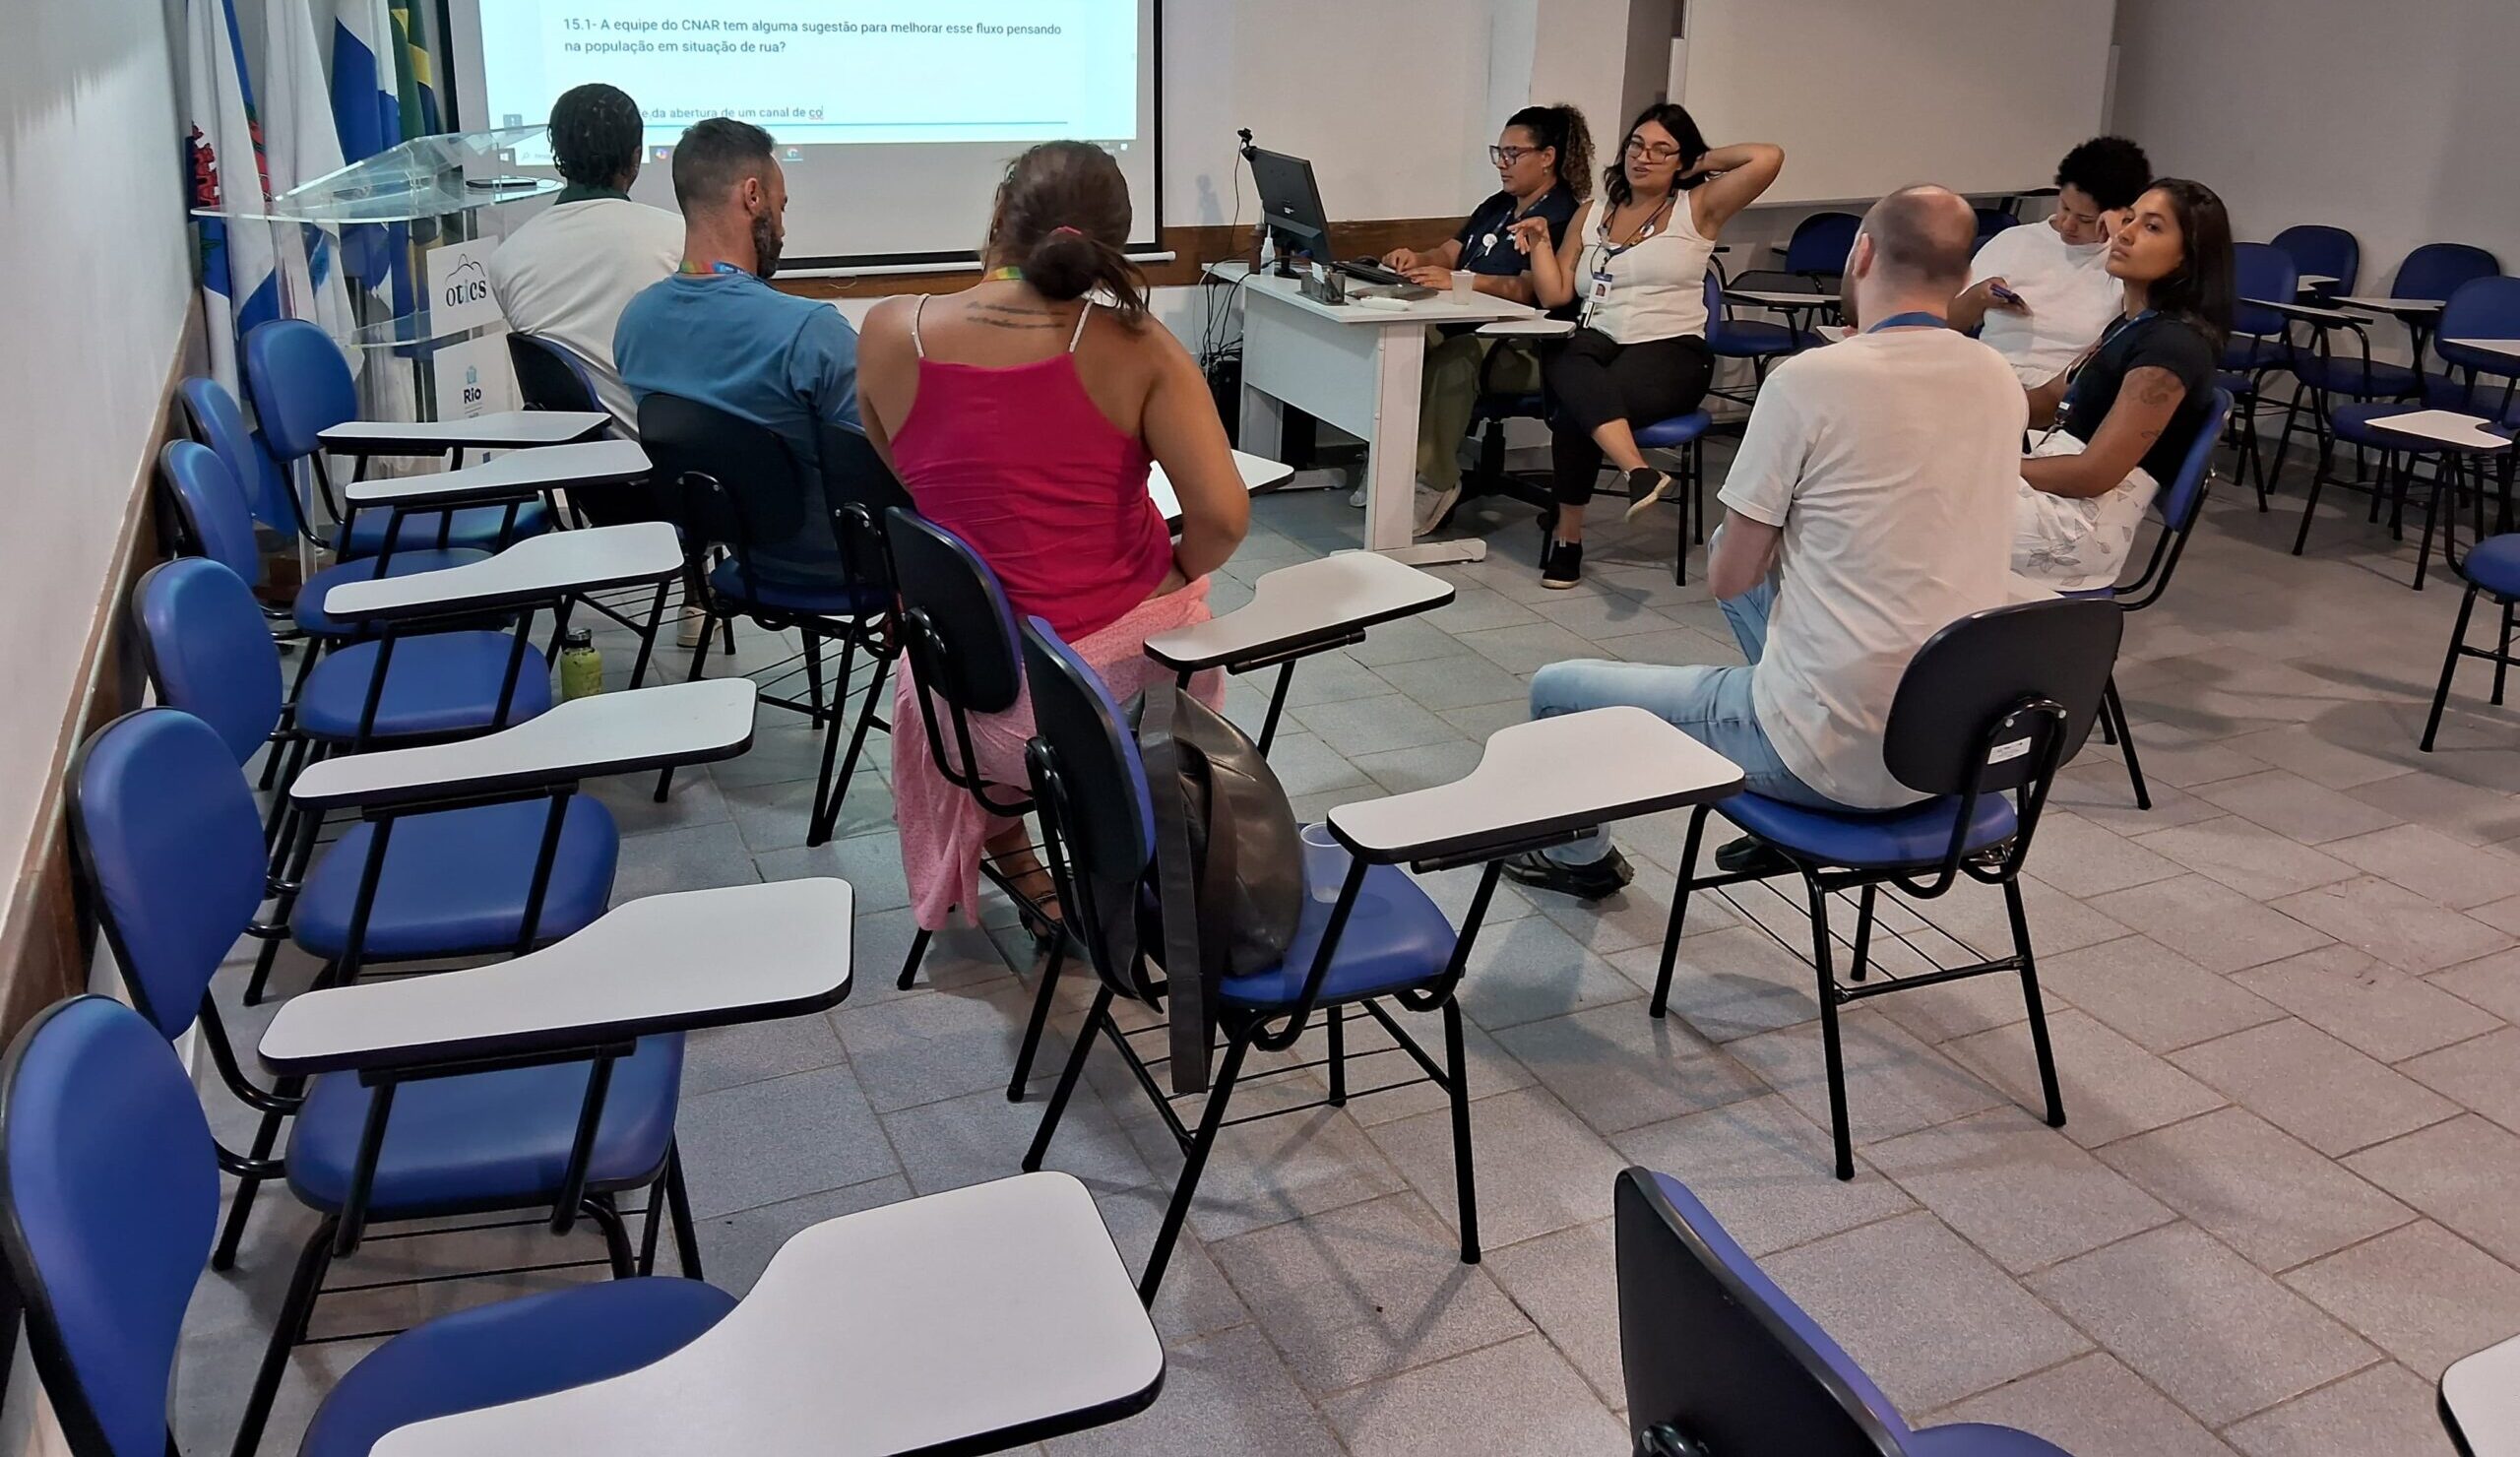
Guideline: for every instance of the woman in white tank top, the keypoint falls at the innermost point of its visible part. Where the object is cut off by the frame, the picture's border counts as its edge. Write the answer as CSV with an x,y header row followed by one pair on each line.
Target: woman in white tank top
x,y
1635,261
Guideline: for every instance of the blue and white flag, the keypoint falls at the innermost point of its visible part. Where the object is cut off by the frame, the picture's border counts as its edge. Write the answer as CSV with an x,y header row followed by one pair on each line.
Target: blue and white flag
x,y
367,107
222,138
300,145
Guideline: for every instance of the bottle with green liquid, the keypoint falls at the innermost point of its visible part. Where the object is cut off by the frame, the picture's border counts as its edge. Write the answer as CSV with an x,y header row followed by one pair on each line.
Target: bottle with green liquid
x,y
581,665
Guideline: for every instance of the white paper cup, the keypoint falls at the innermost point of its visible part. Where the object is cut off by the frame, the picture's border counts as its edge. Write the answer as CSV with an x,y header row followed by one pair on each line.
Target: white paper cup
x,y
1324,864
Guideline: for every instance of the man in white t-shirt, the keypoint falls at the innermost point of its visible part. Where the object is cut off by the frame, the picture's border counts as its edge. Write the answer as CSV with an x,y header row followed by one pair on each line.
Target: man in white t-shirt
x,y
1868,507
2056,294
566,275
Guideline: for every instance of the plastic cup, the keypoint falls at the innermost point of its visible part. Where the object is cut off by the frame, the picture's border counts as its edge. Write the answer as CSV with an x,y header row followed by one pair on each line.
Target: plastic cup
x,y
1325,862
1465,284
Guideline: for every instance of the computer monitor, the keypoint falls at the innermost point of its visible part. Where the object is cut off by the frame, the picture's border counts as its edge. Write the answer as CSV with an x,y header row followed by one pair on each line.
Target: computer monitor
x,y
1293,203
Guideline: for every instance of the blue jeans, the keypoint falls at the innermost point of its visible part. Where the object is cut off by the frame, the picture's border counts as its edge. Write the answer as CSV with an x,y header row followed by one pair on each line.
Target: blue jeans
x,y
1707,702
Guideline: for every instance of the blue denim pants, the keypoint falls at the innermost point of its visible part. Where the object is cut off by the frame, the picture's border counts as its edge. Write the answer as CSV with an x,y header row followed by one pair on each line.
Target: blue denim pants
x,y
1710,703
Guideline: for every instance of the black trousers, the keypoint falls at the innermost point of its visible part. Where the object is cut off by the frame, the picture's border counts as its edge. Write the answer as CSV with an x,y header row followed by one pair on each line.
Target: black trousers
x,y
1594,380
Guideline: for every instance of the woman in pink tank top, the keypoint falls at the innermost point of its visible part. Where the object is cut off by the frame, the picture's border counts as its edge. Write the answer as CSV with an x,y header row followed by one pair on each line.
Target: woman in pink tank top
x,y
1022,417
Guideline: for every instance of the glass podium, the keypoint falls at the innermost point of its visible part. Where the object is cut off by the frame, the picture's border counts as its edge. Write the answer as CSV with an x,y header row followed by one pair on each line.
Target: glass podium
x,y
390,219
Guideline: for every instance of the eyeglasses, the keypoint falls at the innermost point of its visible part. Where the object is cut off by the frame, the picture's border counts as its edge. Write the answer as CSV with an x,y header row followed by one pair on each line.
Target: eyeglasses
x,y
1654,152
1506,157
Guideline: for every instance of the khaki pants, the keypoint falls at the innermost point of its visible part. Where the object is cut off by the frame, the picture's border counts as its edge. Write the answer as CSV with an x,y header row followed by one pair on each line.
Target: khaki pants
x,y
1450,393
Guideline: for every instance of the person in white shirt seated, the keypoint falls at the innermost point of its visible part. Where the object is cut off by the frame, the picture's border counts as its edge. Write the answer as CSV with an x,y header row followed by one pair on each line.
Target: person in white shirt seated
x,y
566,275
1868,507
2044,294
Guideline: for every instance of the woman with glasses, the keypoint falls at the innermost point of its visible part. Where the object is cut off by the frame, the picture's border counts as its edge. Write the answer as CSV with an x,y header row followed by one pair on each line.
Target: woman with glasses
x,y
1636,261
1543,162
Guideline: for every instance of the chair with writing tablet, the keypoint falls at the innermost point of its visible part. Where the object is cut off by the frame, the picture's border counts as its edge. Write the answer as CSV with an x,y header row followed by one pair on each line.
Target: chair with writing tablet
x,y
2326,376
2319,251
301,387
1985,712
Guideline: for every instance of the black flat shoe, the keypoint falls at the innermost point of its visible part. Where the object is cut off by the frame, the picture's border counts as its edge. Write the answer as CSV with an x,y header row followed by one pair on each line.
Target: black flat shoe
x,y
1644,489
1751,856
1606,876
1562,564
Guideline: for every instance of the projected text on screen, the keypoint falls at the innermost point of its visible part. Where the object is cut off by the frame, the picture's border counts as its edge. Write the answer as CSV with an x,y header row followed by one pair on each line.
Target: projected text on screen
x,y
828,70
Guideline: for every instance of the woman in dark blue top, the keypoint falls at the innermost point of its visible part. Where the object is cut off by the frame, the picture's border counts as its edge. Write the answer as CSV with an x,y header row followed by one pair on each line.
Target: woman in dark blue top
x,y
2125,419
1545,162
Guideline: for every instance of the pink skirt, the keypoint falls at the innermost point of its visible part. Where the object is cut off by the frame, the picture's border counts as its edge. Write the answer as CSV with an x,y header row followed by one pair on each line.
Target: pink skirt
x,y
942,828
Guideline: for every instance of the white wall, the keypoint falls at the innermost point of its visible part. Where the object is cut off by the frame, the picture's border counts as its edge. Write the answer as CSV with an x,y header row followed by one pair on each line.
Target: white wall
x,y
2390,121
95,252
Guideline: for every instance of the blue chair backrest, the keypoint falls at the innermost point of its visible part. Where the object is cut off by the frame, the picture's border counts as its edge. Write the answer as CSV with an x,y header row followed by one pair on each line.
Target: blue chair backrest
x,y
2316,248
208,651
217,421
108,1198
1991,220
550,378
2437,270
1717,1358
300,383
947,584
217,522
2185,492
1821,242
2480,308
1714,310
172,849
1074,715
2262,271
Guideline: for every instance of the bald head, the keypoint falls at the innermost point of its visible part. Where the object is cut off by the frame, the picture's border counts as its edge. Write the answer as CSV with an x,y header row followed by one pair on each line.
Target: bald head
x,y
1920,238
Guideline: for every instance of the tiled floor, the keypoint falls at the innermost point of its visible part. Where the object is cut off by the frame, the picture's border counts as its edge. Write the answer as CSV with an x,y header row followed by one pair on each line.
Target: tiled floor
x,y
2288,1195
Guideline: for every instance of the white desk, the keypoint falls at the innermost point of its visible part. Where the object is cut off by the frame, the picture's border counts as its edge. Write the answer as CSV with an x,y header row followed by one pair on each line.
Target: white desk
x,y
1257,475
774,950
963,1321
2442,428
2313,281
1333,596
2404,308
1543,328
694,723
518,475
2480,1400
1572,772
1780,299
1359,370
513,429
2508,349
537,569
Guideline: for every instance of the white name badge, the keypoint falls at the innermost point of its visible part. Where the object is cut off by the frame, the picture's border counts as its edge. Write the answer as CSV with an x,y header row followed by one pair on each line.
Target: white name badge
x,y
1600,292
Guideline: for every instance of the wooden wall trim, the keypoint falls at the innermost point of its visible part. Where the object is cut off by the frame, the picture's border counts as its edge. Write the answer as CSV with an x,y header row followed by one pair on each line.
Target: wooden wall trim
x,y
1195,247
48,930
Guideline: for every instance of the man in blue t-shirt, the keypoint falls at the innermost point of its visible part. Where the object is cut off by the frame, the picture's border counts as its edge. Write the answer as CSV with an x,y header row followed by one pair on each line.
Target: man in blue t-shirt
x,y
717,333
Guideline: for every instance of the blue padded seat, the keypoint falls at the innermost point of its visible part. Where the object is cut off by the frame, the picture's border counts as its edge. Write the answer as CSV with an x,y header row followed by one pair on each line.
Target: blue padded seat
x,y
1395,937
505,1351
445,682
1915,836
477,527
830,597
2494,564
2348,374
1975,1439
1509,407
1675,432
312,617
2249,351
455,881
2234,384
490,1139
1753,338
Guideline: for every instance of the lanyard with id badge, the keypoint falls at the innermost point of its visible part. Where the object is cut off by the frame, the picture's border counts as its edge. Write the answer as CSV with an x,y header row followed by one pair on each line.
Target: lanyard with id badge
x,y
2073,386
1605,252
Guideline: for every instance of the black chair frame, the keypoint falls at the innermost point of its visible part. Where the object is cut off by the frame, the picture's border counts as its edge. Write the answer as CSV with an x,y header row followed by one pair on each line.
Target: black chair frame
x,y
2500,656
1275,1030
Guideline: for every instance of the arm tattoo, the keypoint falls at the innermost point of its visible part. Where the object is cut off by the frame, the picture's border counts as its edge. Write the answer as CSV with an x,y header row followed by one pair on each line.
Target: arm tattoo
x,y
2157,388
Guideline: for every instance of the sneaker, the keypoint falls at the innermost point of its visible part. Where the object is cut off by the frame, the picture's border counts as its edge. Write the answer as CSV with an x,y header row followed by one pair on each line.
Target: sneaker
x,y
1435,508
1644,489
1751,856
1357,498
1562,564
1606,876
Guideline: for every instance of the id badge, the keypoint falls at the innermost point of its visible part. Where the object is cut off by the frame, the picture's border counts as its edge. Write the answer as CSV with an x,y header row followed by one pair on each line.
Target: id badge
x,y
1600,293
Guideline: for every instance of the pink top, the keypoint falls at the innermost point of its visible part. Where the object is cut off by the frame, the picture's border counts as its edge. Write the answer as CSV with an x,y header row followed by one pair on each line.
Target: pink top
x,y
1021,464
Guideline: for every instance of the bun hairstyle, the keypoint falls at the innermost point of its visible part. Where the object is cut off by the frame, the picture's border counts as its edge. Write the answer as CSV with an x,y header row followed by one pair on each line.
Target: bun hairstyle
x,y
1063,218
1562,128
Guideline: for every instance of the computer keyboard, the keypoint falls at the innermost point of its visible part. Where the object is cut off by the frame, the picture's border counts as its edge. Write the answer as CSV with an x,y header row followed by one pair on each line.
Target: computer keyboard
x,y
1372,271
